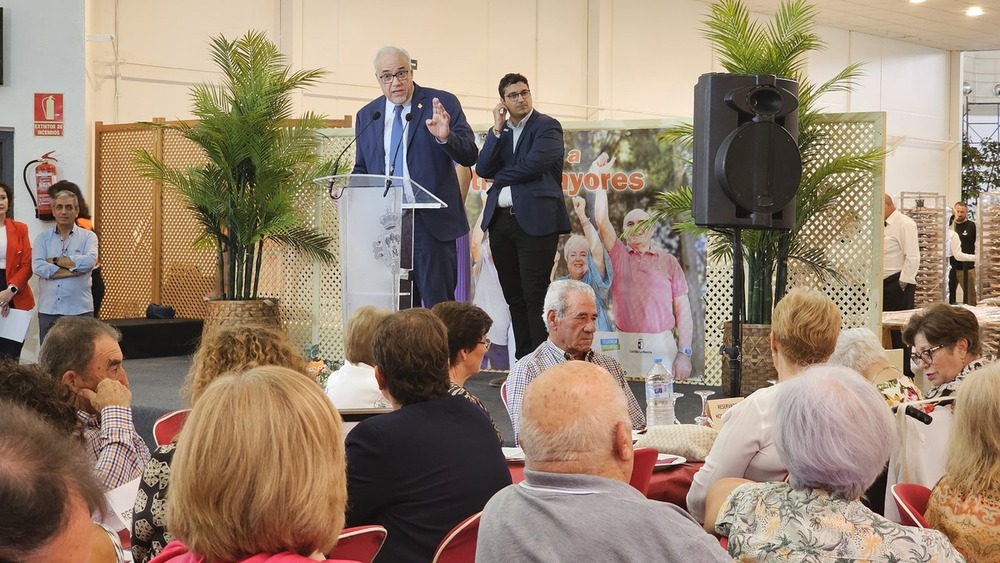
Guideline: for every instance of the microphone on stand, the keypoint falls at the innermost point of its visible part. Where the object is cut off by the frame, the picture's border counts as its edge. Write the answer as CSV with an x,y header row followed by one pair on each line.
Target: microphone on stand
x,y
336,163
395,157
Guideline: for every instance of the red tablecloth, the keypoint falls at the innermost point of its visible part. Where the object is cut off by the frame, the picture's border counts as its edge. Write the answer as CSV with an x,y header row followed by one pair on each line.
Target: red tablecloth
x,y
670,484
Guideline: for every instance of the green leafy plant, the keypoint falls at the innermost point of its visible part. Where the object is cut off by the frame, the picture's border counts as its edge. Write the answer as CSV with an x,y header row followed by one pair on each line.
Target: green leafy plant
x,y
980,167
261,162
778,47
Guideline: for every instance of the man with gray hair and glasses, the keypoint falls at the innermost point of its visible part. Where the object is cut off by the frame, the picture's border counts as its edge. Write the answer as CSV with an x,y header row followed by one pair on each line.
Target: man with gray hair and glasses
x,y
63,259
575,503
570,315
419,134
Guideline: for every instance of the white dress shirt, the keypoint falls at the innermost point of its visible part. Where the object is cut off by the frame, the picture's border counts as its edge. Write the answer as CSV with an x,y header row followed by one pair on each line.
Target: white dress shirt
x,y
506,199
901,253
955,248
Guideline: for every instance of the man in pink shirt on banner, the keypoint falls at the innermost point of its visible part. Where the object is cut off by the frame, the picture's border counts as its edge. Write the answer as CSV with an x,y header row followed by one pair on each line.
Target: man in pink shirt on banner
x,y
649,290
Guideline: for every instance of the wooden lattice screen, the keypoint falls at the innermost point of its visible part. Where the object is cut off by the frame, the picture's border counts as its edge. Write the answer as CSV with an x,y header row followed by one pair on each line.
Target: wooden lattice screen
x,y
147,235
851,234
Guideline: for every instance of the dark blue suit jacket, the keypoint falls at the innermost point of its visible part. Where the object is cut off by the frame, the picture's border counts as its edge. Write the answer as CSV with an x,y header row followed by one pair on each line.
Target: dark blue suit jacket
x,y
534,174
430,163
421,470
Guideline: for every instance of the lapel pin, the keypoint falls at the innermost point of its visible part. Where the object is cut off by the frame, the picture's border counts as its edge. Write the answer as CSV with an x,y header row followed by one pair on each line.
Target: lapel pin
x,y
420,106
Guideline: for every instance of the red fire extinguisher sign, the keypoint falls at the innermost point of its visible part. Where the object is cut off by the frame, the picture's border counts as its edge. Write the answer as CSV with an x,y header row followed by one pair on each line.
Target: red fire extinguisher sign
x,y
48,115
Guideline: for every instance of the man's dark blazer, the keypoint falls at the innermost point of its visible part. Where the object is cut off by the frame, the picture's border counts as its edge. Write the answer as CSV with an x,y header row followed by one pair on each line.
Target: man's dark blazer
x,y
431,164
534,174
421,470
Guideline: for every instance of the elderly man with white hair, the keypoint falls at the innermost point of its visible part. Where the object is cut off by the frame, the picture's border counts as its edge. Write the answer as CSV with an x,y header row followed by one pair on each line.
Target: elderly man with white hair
x,y
575,503
834,433
649,290
570,314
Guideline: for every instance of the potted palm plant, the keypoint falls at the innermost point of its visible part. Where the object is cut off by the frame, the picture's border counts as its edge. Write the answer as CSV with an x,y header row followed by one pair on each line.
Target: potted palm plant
x,y
778,47
260,163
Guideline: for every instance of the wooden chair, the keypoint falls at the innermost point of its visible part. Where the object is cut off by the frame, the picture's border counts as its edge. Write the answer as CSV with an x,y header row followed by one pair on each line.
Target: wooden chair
x,y
168,425
360,543
459,546
911,499
644,459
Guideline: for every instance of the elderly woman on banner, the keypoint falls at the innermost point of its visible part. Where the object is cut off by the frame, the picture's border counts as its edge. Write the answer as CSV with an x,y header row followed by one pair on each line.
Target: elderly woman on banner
x,y
965,503
947,344
832,455
804,329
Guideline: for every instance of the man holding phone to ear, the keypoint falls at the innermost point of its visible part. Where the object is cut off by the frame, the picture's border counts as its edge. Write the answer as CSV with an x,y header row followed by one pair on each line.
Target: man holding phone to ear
x,y
525,212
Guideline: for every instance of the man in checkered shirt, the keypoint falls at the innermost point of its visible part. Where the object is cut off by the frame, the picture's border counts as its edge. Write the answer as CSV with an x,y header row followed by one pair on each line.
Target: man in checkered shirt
x,y
570,314
83,353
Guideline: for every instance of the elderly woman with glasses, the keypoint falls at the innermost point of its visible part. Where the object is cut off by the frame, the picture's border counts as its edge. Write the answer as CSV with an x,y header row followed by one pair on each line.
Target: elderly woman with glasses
x,y
467,344
946,344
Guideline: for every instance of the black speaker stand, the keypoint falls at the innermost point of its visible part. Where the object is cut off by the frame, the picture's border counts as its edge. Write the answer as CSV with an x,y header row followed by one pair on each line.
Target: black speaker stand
x,y
735,351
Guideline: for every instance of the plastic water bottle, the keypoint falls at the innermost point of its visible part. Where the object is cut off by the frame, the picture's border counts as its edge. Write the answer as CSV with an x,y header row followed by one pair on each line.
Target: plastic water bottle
x,y
659,395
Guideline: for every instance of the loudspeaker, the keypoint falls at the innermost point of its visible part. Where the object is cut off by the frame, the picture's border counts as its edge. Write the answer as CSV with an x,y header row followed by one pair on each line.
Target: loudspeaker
x,y
747,165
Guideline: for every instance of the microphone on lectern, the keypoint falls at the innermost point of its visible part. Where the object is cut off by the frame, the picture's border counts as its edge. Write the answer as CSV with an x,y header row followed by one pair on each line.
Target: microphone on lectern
x,y
336,163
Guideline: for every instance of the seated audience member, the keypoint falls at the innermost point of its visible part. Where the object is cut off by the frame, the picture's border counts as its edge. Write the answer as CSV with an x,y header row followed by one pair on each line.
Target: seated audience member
x,y
832,456
965,503
804,329
259,472
27,385
575,503
83,353
223,351
860,350
947,344
467,326
434,461
48,493
353,386
570,311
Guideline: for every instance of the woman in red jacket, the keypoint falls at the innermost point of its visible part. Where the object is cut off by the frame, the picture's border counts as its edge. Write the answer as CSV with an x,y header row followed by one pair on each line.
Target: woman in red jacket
x,y
15,257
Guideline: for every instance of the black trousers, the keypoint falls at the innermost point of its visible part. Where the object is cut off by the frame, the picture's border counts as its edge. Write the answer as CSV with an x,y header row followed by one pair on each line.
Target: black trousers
x,y
954,275
895,298
524,264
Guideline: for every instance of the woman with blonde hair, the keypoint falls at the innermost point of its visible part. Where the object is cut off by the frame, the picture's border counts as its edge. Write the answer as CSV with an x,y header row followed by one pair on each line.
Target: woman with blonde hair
x,y
805,325
965,503
259,473
353,386
222,351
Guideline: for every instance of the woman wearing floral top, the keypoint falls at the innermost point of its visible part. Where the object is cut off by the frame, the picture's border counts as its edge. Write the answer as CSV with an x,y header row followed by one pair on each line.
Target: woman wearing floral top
x,y
832,455
965,503
946,344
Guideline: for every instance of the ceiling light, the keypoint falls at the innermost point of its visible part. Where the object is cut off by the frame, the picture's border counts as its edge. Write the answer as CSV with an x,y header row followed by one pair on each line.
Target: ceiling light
x,y
974,11
917,1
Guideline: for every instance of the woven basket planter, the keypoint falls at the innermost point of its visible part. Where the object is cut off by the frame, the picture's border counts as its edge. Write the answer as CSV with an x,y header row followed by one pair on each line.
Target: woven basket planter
x,y
229,314
758,365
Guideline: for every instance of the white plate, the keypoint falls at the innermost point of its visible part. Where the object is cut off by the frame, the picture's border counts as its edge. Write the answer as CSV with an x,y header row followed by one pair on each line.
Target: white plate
x,y
513,454
668,460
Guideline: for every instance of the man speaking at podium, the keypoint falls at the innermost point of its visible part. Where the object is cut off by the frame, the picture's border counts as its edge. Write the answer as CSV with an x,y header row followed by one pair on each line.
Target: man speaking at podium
x,y
419,133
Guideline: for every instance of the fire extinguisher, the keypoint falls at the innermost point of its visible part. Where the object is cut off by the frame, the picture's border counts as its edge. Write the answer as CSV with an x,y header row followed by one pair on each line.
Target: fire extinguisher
x,y
45,176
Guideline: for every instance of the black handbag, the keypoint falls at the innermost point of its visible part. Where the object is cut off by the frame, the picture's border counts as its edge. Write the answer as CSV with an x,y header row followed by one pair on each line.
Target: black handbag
x,y
154,311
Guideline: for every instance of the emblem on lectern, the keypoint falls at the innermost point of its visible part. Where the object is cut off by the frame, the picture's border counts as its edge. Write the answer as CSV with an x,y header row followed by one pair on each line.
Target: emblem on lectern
x,y
386,245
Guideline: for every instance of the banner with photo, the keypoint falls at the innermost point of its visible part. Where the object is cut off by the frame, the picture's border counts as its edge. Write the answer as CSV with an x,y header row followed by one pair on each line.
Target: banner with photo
x,y
649,286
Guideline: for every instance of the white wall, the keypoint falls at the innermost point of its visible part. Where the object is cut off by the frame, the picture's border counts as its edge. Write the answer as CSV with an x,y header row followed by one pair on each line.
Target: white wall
x,y
43,52
586,59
